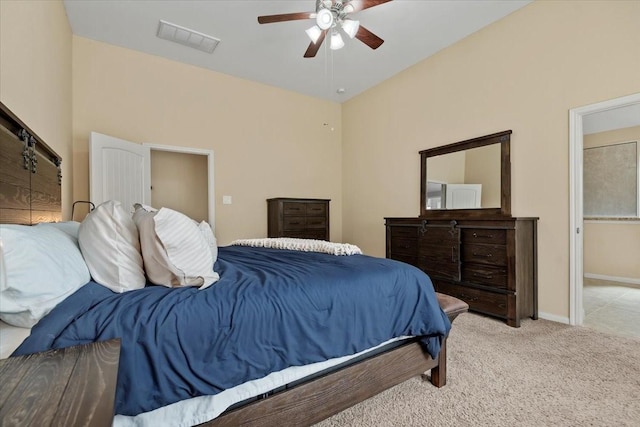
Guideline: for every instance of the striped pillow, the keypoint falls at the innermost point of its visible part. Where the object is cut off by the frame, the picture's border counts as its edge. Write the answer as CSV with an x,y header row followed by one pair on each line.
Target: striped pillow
x,y
109,242
174,251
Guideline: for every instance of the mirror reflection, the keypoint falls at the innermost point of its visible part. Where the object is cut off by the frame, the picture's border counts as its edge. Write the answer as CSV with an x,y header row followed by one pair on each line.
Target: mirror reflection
x,y
468,179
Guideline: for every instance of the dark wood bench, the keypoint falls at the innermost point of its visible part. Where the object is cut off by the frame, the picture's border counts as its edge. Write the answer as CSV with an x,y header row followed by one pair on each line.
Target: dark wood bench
x,y
452,306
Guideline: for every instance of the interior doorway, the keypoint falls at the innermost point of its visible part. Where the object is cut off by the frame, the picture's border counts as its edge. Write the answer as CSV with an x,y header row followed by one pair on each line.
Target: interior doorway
x,y
182,179
577,117
179,182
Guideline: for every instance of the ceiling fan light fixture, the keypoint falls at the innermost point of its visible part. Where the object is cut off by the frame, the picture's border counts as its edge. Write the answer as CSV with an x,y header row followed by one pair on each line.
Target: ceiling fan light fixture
x,y
314,33
324,19
336,41
350,27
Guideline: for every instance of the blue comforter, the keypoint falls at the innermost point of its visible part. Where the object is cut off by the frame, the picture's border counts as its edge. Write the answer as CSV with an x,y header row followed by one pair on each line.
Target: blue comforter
x,y
271,309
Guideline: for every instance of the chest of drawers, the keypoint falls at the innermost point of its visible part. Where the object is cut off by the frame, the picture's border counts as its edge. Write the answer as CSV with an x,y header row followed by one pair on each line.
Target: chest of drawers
x,y
491,264
299,218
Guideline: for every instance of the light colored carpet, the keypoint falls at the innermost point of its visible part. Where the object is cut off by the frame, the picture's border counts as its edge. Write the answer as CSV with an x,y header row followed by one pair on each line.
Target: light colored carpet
x,y
542,374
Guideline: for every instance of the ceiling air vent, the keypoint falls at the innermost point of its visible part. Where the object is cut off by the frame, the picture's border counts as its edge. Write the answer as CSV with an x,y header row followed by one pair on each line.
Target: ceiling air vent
x,y
186,37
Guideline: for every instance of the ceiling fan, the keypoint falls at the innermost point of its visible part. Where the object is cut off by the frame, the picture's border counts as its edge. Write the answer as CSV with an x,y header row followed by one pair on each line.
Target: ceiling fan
x,y
331,16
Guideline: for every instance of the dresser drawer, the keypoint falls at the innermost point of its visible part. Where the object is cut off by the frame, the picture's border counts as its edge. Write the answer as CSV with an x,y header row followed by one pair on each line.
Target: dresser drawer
x,y
411,232
294,208
483,235
478,300
294,223
316,209
316,222
303,223
485,275
404,246
485,254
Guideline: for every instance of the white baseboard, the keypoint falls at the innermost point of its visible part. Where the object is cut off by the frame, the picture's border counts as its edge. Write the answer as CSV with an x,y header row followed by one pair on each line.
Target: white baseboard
x,y
553,317
628,280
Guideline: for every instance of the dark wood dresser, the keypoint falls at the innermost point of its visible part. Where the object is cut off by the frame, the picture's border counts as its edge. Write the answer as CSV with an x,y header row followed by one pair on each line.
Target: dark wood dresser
x,y
300,218
491,264
74,386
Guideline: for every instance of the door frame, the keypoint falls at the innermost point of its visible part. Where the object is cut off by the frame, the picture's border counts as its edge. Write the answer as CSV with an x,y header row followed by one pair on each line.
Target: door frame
x,y
211,202
576,217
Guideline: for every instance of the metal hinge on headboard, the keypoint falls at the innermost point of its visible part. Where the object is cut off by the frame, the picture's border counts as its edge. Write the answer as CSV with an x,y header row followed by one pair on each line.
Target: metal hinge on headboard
x,y
29,153
58,162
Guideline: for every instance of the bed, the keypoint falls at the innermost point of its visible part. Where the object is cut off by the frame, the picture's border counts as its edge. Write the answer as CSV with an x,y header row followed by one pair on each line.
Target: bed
x,y
344,358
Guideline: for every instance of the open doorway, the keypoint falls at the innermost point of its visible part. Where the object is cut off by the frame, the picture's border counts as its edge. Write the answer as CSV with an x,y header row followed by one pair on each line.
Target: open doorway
x,y
182,179
179,182
578,117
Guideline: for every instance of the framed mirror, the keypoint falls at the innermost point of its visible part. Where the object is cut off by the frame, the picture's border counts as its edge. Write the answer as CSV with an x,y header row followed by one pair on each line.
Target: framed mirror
x,y
471,178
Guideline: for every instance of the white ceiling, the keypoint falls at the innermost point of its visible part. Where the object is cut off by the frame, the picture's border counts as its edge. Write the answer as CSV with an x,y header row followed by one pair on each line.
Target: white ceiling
x,y
273,53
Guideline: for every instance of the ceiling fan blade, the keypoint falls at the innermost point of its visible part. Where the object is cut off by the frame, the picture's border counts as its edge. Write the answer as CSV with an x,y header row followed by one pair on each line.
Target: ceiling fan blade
x,y
269,19
368,38
358,5
313,47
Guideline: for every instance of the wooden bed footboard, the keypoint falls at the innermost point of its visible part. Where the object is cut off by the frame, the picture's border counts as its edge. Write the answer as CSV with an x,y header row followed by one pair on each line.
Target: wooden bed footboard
x,y
311,402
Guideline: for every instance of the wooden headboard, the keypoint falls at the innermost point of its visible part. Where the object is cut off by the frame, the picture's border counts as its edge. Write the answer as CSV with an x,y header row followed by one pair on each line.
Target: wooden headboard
x,y
30,174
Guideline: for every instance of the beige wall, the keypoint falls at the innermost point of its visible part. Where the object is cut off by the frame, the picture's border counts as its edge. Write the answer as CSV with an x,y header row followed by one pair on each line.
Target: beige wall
x,y
179,182
267,142
612,137
35,76
483,166
522,73
447,169
612,248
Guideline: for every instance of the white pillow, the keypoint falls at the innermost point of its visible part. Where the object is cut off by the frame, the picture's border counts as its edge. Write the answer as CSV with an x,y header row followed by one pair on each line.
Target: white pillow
x,y
39,267
174,249
69,227
210,238
110,245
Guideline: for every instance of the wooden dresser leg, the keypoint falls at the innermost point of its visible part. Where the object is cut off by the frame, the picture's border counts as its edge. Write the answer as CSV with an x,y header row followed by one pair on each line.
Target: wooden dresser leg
x,y
439,373
514,323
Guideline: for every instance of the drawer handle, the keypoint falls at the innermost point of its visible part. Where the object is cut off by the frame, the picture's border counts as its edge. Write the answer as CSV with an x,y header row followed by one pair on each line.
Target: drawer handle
x,y
295,223
482,255
482,276
486,236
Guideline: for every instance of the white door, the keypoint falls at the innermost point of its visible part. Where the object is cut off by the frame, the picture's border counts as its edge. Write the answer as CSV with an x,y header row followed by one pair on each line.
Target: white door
x,y
463,196
119,170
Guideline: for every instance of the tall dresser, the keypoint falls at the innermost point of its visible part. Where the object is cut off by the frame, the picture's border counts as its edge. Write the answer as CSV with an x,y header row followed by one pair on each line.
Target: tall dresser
x,y
300,218
488,263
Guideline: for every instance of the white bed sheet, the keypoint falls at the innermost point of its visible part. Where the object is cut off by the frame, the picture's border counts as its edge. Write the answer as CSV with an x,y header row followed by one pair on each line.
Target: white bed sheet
x,y
10,338
204,408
